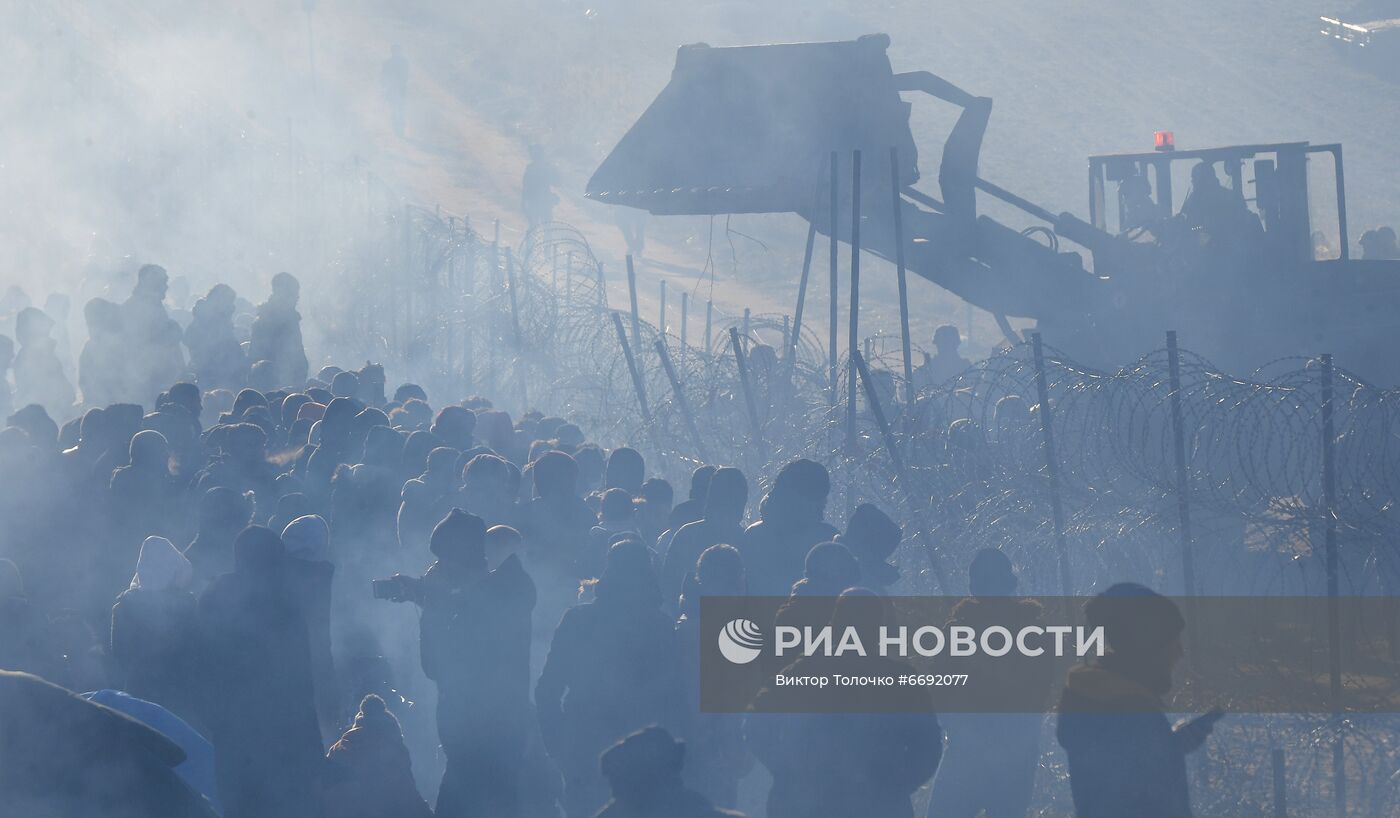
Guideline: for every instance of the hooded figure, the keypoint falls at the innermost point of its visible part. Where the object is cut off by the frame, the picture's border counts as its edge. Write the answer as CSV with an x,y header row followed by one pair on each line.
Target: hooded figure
x,y
426,499
374,778
153,628
790,523
1124,756
307,540
644,772
257,692
83,759
475,645
144,496
39,376
829,569
276,336
613,667
102,365
152,339
216,356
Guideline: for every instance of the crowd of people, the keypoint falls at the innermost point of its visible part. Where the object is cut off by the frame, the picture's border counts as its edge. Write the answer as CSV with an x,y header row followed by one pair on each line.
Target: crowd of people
x,y
220,551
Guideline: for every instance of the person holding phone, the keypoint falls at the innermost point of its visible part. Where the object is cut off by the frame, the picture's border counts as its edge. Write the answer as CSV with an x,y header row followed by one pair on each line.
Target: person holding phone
x,y
1125,758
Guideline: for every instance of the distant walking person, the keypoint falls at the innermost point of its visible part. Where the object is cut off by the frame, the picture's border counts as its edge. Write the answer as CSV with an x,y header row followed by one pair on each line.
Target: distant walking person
x,y
276,336
537,197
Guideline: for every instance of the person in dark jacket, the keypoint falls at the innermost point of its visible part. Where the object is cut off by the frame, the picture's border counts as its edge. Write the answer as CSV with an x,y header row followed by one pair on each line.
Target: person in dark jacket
x,y
644,772
276,335
307,540
373,775
611,669
216,356
82,759
859,764
1125,758
873,537
223,513
257,690
726,497
153,625
426,499
475,645
829,569
718,756
790,523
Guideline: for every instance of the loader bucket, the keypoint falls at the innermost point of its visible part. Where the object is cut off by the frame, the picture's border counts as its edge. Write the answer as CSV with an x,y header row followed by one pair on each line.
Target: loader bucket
x,y
750,129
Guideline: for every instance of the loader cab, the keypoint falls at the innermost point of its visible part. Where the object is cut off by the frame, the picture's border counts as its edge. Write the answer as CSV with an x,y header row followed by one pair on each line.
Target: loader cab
x,y
1131,192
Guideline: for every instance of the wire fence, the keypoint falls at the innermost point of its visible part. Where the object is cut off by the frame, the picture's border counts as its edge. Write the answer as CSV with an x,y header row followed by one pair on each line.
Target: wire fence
x,y
962,464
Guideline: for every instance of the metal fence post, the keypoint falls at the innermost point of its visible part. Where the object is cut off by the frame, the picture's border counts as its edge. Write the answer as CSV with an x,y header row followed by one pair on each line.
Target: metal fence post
x,y
1052,468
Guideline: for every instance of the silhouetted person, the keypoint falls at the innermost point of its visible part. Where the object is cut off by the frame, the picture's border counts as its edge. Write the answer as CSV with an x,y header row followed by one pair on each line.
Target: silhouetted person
x,y
611,669
946,362
625,470
1217,210
1124,756
725,500
374,778
1379,244
989,765
718,755
393,81
829,570
790,523
223,514
454,426
307,540
643,771
850,764
655,509
276,336
152,340
873,538
39,376
556,522
258,693
144,495
617,514
7,359
692,508
22,628
426,499
102,365
1135,198
81,759
476,646
153,624
537,196
216,356
486,490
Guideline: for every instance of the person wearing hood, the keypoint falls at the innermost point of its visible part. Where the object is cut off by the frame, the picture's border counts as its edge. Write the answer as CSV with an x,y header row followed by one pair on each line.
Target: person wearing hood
x,y
276,334
307,540
152,339
216,356
644,771
39,376
257,688
556,521
990,761
144,496
873,538
613,667
726,497
153,627
373,774
475,645
1125,758
790,523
